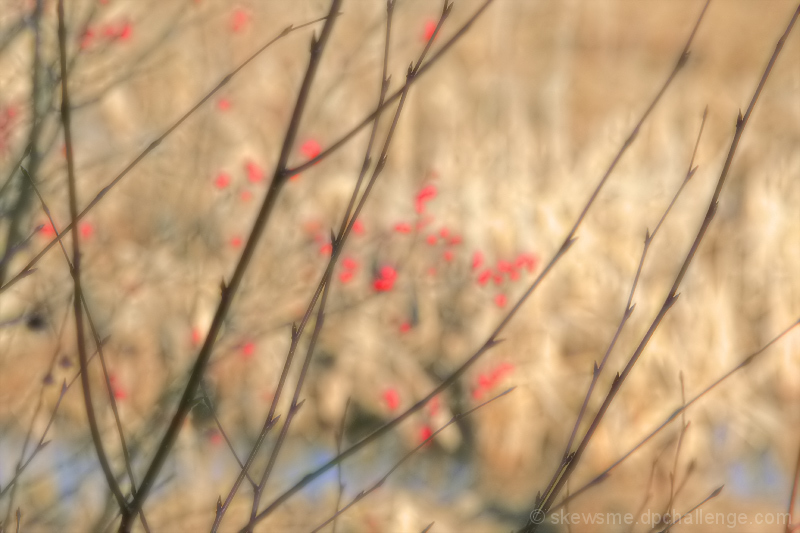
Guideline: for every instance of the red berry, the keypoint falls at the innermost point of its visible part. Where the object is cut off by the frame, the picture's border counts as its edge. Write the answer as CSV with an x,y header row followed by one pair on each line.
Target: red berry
x,y
392,398
428,30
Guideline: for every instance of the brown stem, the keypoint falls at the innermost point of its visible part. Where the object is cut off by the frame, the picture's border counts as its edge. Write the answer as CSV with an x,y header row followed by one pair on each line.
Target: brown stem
x,y
670,299
361,495
607,472
27,269
230,289
76,268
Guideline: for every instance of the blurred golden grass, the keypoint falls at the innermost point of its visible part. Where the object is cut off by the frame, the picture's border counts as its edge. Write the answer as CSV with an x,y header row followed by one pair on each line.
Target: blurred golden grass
x,y
514,127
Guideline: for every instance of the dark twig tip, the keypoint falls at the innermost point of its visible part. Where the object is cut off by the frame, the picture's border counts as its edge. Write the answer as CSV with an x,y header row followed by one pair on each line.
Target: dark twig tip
x,y
683,59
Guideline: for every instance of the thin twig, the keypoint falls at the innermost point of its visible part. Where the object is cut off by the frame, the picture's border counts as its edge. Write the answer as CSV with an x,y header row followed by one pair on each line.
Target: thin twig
x,y
339,480
29,433
230,289
39,106
394,96
674,473
378,484
337,247
747,360
338,241
672,296
76,268
493,339
649,492
287,173
42,443
338,244
648,240
99,346
152,146
295,405
14,168
690,511
792,524
210,406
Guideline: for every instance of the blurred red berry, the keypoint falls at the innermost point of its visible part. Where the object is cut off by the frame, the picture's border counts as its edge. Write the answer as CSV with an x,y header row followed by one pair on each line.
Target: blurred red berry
x,y
402,227
500,300
428,29
477,260
222,180
385,280
529,261
197,336
248,350
425,433
215,437
254,172
392,398
48,230
87,230
310,149
454,240
426,194
87,39
117,390
239,20
388,272
125,32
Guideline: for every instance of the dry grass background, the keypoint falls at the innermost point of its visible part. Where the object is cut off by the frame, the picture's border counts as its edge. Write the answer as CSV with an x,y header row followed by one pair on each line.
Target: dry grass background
x,y
513,128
